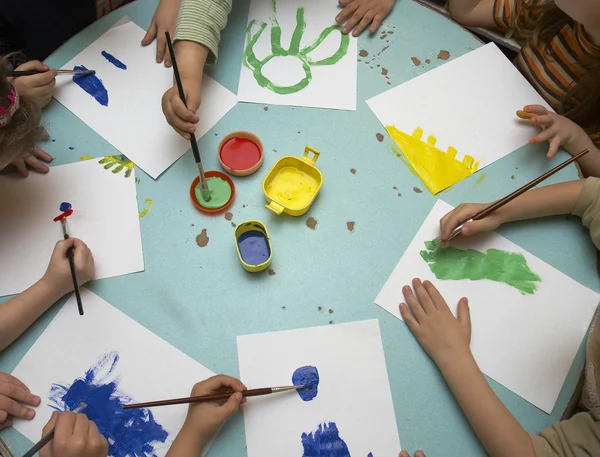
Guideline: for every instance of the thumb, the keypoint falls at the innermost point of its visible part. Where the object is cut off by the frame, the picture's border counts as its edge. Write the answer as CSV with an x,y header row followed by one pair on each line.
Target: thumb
x,y
51,423
64,245
464,315
34,65
233,404
150,34
474,227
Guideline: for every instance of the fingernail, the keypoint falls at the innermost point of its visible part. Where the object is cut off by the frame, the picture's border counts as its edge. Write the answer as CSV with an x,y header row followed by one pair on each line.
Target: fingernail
x,y
533,141
30,414
526,108
36,400
535,120
238,396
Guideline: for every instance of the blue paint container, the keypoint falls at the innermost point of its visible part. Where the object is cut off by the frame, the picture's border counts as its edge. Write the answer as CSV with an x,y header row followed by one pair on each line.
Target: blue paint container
x,y
253,245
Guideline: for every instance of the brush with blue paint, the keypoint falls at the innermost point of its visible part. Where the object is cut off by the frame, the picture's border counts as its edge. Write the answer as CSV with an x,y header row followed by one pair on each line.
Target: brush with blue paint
x,y
214,397
203,184
15,73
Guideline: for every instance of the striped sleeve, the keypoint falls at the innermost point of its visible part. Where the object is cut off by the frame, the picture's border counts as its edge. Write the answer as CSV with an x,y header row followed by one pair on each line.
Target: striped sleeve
x,y
201,21
505,13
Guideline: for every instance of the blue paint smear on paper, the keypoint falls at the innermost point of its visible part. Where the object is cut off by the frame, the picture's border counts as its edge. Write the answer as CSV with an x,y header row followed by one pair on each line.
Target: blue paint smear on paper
x,y
130,433
370,454
71,148
65,206
112,59
254,247
308,377
325,441
92,85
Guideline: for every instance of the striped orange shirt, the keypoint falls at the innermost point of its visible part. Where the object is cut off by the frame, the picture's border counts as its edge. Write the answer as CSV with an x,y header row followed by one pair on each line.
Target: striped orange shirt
x,y
552,68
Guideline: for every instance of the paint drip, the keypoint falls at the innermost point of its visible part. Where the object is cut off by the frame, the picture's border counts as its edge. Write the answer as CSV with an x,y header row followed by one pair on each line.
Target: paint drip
x,y
92,85
65,206
130,433
325,441
220,193
254,247
307,376
112,59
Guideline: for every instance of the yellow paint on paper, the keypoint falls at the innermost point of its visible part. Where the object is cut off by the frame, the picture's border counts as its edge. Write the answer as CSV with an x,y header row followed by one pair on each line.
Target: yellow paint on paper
x,y
146,210
437,169
292,187
86,157
480,179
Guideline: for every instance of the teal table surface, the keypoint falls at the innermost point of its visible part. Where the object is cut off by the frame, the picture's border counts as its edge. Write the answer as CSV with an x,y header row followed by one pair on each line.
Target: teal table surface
x,y
199,298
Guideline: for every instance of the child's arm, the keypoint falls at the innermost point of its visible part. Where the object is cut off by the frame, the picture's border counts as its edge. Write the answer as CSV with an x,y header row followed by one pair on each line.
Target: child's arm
x,y
473,13
18,313
358,14
447,340
204,420
560,131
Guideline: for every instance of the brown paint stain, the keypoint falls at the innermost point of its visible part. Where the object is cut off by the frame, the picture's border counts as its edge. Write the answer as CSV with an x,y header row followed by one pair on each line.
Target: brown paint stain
x,y
395,188
379,137
193,225
390,33
389,84
330,311
228,216
202,239
331,322
427,61
378,65
274,150
383,36
416,62
353,171
416,190
350,226
243,206
512,177
384,49
266,108
363,53
443,55
384,71
233,224
320,308
216,134
271,272
311,223
283,307
399,195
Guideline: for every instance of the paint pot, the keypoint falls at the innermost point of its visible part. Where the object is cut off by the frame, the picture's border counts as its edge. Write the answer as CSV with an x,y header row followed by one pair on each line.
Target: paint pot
x,y
241,153
212,174
253,245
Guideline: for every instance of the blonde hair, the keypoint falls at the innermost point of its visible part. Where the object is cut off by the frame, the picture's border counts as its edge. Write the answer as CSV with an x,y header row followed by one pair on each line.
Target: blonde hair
x,y
537,25
19,136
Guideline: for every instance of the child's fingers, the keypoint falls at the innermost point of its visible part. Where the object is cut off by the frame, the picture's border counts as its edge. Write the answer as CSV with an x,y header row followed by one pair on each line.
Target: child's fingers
x,y
366,20
161,46
554,145
543,120
524,115
183,113
407,317
413,303
544,135
535,109
150,34
21,167
377,20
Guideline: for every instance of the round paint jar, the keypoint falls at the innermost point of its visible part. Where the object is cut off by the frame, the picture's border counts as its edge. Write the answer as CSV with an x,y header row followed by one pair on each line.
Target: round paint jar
x,y
241,153
253,244
212,174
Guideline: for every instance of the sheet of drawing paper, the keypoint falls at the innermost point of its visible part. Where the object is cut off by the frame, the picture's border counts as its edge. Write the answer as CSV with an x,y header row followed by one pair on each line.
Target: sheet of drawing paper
x,y
107,359
105,217
528,319
468,103
348,409
122,102
295,54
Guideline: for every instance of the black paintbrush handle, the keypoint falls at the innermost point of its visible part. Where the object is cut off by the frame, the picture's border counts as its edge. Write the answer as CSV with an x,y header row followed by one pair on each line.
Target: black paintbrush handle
x,y
40,444
16,73
74,278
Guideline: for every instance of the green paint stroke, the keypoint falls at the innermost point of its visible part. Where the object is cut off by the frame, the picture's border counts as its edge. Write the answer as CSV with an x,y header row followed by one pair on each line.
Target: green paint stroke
x,y
510,268
146,210
256,65
480,179
117,163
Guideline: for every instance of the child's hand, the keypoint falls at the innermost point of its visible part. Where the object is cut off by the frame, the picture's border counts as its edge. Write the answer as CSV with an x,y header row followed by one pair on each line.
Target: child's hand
x,y
557,129
13,395
417,454
178,116
58,274
358,14
442,336
164,20
74,436
34,160
38,88
464,212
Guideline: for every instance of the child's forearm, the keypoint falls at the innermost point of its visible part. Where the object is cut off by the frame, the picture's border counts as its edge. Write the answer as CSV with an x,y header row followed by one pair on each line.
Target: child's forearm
x,y
473,13
191,59
188,443
18,313
494,425
589,163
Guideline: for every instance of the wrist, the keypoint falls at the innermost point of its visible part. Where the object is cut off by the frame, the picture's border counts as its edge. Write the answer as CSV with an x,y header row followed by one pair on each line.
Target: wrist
x,y
191,58
456,362
48,289
193,437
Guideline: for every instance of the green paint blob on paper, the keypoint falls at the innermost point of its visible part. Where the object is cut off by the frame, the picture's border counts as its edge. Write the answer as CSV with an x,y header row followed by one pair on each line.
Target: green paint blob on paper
x,y
510,268
219,189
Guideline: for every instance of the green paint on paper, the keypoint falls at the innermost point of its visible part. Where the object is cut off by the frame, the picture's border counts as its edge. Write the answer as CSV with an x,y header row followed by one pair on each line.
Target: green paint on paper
x,y
146,210
86,157
256,65
510,268
480,179
219,189
116,163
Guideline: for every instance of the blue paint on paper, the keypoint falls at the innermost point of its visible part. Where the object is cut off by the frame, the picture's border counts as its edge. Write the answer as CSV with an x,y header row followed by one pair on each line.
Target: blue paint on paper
x,y
325,441
130,433
65,206
254,247
71,148
92,85
308,377
53,140
112,59
370,454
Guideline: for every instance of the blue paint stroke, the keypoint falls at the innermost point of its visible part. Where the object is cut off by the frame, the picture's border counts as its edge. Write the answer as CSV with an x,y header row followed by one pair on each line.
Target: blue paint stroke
x,y
370,454
92,85
53,140
308,377
112,59
71,148
130,433
325,441
65,206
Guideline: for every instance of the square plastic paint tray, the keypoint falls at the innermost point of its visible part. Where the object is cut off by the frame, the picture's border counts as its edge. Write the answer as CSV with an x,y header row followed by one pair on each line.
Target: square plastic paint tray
x,y
293,184
253,244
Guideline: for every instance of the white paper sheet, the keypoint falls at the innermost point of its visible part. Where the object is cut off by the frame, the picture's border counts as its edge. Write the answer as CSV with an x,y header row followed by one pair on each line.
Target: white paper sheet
x,y
105,217
353,391
148,368
526,342
330,86
133,121
469,103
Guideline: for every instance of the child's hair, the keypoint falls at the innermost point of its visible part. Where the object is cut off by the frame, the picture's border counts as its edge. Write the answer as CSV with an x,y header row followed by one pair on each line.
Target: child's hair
x,y
538,24
19,135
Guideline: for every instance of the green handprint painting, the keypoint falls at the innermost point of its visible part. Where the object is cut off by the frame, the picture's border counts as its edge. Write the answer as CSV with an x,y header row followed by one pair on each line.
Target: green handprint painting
x,y
257,66
116,164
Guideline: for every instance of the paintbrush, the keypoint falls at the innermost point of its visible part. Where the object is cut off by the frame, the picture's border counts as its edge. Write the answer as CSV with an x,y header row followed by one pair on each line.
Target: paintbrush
x,y
63,222
15,73
222,396
203,184
48,437
510,197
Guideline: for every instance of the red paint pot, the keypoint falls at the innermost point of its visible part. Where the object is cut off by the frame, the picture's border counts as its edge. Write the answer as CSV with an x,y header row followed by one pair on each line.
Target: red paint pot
x,y
241,153
212,174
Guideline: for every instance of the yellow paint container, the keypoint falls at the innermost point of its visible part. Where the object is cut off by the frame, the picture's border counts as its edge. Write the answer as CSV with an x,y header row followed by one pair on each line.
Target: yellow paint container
x,y
293,184
253,244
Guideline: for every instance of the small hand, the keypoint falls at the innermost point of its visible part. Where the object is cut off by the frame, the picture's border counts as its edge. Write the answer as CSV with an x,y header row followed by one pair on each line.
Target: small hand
x,y
13,395
556,129
34,161
178,116
462,213
74,436
164,20
417,454
38,88
58,274
358,14
429,318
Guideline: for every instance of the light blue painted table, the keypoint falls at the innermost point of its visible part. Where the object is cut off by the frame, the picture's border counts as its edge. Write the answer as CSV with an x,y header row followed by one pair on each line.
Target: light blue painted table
x,y
199,299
